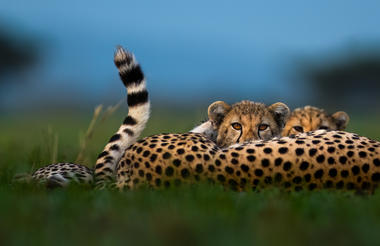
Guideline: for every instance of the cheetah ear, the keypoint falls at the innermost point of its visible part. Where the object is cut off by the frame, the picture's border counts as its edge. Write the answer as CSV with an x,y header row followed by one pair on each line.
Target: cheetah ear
x,y
216,112
341,119
280,112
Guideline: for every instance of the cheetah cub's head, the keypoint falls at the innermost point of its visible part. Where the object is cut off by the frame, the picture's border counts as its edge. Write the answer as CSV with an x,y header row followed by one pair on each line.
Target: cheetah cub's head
x,y
311,118
246,121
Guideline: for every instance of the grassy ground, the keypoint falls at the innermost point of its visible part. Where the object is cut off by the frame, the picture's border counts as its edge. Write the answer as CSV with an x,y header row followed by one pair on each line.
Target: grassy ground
x,y
199,214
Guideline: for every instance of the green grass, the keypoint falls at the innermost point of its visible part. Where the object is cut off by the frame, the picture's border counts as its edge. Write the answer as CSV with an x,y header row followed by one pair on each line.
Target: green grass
x,y
191,215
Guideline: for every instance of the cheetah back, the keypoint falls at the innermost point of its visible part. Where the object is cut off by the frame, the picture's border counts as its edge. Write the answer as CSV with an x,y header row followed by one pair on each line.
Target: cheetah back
x,y
321,159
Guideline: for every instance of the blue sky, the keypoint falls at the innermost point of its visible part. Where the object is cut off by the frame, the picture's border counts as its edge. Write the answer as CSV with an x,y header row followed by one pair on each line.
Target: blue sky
x,y
190,51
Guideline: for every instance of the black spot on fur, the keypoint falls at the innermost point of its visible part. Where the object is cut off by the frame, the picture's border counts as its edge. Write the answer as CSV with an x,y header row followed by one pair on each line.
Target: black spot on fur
x,y
180,151
267,150
297,180
312,152
318,174
211,168
287,166
166,155
169,171
146,153
333,172
376,162
189,158
350,153
304,165
331,160
331,150
283,150
104,153
137,98
115,147
362,154
114,138
365,168
265,162
229,170
250,151
129,120
307,177
244,167
132,76
185,173
153,157
259,172
199,168
278,162
343,160
341,146
158,169
299,151
344,173
100,165
355,170
320,158
251,158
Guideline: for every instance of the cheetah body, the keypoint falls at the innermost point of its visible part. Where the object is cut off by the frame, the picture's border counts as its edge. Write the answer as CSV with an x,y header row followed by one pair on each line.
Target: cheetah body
x,y
320,159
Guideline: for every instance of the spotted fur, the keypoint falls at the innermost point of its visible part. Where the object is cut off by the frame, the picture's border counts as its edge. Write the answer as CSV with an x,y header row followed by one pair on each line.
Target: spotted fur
x,y
138,114
310,118
313,160
62,174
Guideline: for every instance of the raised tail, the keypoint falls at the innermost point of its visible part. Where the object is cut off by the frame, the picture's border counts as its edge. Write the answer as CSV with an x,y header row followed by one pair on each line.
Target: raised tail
x,y
138,114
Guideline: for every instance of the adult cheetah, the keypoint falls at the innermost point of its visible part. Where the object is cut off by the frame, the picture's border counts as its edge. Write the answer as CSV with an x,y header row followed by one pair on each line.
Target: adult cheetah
x,y
320,159
227,125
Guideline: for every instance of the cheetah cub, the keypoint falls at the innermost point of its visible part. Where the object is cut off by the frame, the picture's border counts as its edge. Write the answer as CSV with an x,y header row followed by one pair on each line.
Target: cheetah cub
x,y
310,118
243,121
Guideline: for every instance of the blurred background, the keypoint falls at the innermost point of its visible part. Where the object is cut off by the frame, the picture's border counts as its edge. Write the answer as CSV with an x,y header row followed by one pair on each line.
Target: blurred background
x,y
59,54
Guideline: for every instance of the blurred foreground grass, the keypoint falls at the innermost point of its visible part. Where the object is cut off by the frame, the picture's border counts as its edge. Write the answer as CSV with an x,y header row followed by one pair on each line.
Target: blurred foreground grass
x,y
199,214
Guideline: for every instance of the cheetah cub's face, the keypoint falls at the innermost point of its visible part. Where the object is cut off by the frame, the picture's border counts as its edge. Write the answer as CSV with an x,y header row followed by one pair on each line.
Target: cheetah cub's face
x,y
246,121
311,118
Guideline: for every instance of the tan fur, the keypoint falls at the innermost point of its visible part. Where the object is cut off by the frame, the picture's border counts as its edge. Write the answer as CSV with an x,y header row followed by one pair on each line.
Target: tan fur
x,y
311,118
313,160
250,115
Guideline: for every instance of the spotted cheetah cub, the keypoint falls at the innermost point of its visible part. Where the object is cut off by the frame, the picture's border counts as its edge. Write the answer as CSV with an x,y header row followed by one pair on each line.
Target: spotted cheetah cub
x,y
243,121
310,118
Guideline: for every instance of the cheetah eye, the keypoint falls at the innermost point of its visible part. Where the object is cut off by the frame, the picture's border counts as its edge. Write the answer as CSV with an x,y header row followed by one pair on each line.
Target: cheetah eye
x,y
236,126
263,127
323,128
298,128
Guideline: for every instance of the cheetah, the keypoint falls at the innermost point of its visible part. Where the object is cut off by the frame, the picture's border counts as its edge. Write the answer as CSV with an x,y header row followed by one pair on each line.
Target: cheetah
x,y
310,118
227,124
312,160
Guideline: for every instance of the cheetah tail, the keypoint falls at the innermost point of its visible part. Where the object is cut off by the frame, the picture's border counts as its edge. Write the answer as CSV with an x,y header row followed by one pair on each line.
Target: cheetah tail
x,y
138,114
